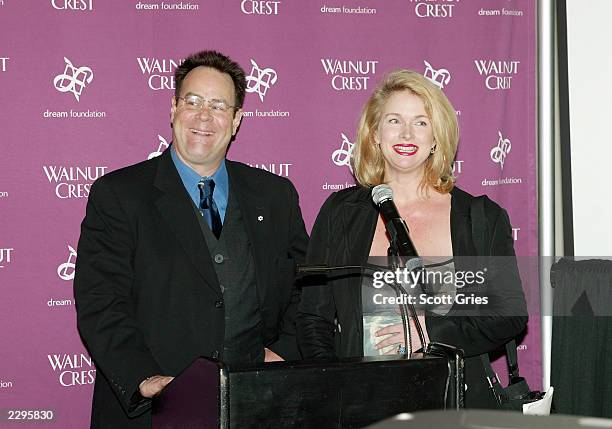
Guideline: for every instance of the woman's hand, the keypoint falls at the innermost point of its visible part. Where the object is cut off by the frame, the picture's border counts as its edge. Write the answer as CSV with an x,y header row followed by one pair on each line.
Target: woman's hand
x,y
395,337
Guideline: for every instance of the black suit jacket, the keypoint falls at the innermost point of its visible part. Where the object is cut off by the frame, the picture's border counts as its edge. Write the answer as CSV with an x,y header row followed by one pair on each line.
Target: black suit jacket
x,y
342,235
147,296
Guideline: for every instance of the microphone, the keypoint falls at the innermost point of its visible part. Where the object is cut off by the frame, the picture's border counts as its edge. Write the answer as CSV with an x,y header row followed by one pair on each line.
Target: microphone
x,y
307,270
382,195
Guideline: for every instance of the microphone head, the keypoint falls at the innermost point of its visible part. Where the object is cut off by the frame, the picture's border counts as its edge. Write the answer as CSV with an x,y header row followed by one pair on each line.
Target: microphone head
x,y
381,193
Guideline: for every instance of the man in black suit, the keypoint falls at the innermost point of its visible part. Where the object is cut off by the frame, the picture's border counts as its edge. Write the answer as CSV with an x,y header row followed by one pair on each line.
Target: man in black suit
x,y
187,254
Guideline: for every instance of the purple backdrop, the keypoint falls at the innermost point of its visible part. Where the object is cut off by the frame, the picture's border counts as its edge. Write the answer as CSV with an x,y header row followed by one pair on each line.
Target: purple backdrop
x,y
86,88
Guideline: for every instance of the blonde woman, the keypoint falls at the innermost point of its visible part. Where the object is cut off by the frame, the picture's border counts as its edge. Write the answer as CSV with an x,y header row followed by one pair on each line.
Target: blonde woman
x,y
407,139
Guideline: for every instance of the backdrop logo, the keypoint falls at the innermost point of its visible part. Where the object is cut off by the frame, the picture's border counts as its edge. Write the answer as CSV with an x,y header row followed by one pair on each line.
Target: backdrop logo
x,y
163,145
5,256
73,370
434,8
458,167
351,75
499,152
72,4
348,10
73,79
260,80
166,6
500,12
3,62
342,156
515,233
73,182
440,77
280,169
498,73
65,271
160,72
259,7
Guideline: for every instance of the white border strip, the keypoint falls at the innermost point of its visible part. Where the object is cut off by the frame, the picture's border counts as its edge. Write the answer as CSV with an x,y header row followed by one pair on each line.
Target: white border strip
x,y
546,201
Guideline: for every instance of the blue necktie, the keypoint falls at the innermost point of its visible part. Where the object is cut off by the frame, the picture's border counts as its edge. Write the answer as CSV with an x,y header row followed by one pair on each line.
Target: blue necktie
x,y
208,208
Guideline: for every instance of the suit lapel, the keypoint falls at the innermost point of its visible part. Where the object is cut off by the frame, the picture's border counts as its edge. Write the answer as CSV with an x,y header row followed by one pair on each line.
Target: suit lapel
x,y
176,208
257,220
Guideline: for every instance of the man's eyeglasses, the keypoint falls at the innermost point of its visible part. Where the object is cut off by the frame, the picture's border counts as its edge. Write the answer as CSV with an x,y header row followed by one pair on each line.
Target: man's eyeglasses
x,y
197,103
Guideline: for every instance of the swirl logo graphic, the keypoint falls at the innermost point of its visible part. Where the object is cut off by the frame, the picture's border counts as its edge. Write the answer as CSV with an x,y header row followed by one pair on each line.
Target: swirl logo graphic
x,y
499,152
65,271
260,80
440,77
74,79
163,144
342,156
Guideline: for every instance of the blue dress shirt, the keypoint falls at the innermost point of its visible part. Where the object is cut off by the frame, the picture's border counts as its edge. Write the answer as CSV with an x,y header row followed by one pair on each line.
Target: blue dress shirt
x,y
191,179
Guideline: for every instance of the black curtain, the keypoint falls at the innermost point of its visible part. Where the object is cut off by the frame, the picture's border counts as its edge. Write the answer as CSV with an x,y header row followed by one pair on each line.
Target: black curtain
x,y
581,367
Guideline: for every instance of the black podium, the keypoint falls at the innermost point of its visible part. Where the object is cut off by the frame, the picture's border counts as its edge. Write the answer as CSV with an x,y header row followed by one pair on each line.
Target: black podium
x,y
345,393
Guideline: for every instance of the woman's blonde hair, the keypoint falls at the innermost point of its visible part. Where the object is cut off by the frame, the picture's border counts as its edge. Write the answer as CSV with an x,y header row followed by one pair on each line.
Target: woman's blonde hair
x,y
368,162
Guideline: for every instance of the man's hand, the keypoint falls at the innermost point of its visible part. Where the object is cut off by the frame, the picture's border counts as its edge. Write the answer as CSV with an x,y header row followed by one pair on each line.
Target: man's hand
x,y
272,357
152,386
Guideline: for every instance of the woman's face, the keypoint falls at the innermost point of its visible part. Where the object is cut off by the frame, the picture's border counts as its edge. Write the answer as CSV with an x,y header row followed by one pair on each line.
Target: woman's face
x,y
404,134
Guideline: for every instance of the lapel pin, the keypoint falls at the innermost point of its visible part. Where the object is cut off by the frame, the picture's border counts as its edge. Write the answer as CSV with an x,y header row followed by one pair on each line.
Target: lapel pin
x,y
260,218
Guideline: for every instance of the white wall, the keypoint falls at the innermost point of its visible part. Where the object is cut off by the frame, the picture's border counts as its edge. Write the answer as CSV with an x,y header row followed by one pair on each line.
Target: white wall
x,y
589,41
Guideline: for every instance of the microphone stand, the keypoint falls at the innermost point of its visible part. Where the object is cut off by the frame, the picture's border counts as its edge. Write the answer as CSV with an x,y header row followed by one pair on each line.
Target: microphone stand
x,y
394,263
406,308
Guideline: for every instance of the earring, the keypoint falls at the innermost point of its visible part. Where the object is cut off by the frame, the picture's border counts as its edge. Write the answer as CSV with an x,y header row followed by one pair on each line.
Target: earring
x,y
433,150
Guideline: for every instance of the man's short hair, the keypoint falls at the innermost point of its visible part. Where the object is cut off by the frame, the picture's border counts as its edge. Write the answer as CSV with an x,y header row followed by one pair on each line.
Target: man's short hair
x,y
217,61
